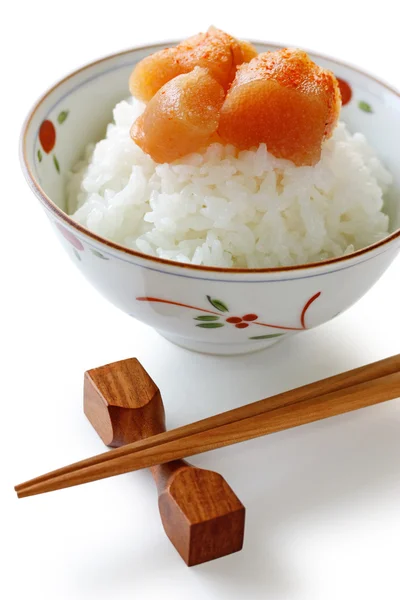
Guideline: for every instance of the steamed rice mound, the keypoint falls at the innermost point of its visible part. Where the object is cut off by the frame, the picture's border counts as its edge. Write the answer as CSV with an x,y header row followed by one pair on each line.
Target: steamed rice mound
x,y
225,208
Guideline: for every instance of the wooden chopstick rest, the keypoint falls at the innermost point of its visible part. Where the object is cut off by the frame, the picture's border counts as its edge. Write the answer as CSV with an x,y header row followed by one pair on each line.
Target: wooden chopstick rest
x,y
200,513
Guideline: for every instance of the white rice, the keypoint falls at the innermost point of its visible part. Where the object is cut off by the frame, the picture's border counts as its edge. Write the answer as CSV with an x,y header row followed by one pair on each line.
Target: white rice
x,y
227,208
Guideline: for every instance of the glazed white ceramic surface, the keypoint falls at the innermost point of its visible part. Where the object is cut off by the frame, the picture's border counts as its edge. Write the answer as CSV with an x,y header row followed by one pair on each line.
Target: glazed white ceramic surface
x,y
219,311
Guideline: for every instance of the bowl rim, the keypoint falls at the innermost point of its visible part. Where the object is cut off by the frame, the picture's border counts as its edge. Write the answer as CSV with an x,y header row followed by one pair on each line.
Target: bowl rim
x,y
48,203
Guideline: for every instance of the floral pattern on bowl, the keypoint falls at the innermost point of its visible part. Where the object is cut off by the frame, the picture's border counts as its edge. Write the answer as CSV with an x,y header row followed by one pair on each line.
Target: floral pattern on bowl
x,y
48,136
216,320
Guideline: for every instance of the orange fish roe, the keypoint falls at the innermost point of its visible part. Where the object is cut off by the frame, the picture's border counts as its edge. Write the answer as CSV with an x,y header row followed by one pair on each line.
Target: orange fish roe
x,y
181,117
248,51
285,100
154,71
215,50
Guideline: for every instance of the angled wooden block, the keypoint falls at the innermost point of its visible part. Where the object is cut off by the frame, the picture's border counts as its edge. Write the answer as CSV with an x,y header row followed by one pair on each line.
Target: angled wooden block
x,y
123,403
201,515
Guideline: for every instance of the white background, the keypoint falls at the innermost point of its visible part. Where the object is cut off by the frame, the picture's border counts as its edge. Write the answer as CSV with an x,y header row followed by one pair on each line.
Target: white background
x,y
323,501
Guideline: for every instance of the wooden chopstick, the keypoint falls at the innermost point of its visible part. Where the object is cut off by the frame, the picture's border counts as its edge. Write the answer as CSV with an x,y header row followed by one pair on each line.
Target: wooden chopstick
x,y
352,398
324,386
348,391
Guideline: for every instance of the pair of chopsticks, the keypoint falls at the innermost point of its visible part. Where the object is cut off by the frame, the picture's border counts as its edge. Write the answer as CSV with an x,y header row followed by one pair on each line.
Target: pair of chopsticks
x,y
342,393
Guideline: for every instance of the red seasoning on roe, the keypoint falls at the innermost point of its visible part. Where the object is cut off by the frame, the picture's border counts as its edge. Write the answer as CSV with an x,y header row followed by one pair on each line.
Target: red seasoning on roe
x,y
212,87
284,100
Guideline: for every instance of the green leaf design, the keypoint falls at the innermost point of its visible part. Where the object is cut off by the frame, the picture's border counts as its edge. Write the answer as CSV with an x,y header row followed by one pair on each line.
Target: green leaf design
x,y
218,304
206,318
39,155
365,106
75,251
98,254
62,116
56,163
210,325
266,337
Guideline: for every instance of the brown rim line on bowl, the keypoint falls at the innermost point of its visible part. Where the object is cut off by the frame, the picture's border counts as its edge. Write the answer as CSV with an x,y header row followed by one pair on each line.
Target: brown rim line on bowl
x,y
162,261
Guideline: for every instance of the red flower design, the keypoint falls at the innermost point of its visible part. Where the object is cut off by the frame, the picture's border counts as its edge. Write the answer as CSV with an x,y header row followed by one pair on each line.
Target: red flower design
x,y
240,322
47,136
345,91
212,320
234,320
